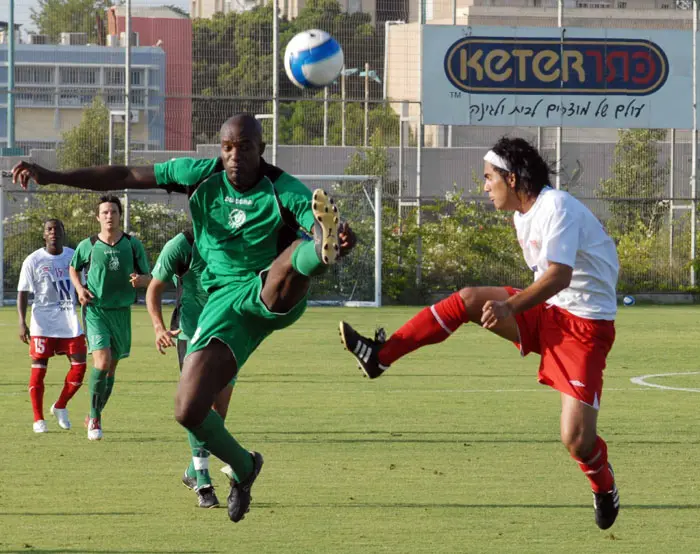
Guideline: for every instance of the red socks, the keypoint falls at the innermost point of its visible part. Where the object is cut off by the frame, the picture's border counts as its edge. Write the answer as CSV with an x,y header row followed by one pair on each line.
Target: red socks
x,y
73,382
429,326
595,466
36,390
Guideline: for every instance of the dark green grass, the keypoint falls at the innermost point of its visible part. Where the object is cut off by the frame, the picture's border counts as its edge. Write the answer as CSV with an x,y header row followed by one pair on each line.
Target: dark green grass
x,y
455,449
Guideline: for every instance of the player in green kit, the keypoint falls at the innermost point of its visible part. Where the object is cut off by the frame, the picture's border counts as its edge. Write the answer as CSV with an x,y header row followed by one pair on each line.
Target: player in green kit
x,y
116,264
179,263
246,216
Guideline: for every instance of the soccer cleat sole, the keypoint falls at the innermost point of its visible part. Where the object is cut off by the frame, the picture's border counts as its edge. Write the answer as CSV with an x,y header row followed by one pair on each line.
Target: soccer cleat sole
x,y
326,215
343,341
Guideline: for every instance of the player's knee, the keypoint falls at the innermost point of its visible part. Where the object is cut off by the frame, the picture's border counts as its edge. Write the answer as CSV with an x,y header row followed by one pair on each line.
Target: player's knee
x,y
469,297
578,442
187,412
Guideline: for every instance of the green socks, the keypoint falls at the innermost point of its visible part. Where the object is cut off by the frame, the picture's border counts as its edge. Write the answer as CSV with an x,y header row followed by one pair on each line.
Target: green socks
x,y
199,465
219,441
108,391
98,385
305,260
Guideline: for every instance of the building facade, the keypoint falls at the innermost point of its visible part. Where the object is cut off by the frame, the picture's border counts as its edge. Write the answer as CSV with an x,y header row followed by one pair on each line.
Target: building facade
x,y
171,31
54,83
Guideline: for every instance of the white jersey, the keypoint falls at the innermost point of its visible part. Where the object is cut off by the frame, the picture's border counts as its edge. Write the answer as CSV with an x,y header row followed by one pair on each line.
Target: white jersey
x,y
558,228
53,310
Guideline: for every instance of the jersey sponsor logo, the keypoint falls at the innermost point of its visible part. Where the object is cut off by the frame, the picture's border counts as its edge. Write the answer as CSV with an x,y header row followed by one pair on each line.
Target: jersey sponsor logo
x,y
238,201
113,264
236,219
64,292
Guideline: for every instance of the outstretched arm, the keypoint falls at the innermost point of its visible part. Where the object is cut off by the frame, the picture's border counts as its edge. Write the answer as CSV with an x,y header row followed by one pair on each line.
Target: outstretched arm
x,y
100,178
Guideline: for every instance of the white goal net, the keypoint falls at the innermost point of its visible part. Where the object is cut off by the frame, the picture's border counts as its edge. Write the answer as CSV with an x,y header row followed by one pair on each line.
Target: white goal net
x,y
355,280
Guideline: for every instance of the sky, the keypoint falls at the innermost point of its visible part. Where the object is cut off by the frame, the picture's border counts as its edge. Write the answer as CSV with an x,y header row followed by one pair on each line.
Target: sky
x,y
22,8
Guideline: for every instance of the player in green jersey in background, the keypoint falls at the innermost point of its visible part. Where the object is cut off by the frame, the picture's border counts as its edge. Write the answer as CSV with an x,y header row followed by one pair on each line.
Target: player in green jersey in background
x,y
179,263
116,264
246,215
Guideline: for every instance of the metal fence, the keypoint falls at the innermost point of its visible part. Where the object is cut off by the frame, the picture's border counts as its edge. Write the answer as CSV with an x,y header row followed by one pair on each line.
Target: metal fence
x,y
169,97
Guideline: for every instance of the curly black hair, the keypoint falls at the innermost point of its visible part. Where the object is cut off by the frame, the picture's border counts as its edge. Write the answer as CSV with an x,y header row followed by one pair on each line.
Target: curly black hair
x,y
57,222
532,172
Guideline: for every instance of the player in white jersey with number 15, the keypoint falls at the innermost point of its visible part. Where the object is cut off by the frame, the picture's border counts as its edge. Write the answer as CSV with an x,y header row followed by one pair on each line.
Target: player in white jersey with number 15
x,y
54,328
567,315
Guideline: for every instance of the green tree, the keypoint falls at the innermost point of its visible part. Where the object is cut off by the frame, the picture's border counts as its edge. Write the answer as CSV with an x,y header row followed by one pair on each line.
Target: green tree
x,y
233,58
87,144
638,183
301,122
53,17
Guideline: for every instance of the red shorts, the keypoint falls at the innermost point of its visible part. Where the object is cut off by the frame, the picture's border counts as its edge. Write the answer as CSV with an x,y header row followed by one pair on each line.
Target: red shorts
x,y
573,349
43,348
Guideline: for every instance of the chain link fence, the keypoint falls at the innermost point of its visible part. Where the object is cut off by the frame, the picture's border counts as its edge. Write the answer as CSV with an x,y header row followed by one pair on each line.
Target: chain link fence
x,y
188,72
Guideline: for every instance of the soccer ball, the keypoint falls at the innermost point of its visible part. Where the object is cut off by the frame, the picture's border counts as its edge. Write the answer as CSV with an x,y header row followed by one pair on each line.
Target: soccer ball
x,y
313,59
628,301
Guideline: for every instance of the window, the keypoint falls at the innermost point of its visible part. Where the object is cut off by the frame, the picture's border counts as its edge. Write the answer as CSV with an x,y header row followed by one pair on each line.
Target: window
x,y
115,98
30,98
114,76
78,75
538,3
76,98
354,6
664,6
138,97
34,75
622,5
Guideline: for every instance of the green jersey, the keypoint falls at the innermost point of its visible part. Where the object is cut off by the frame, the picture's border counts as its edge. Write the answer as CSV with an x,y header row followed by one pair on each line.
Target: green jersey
x,y
109,269
180,263
238,234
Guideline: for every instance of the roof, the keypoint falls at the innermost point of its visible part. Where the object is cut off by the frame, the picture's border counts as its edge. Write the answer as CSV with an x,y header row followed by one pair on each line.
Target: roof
x,y
156,12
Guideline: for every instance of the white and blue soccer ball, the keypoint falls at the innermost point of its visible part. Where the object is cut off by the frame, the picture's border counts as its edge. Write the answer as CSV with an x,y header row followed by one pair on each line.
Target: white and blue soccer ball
x,y
628,300
313,59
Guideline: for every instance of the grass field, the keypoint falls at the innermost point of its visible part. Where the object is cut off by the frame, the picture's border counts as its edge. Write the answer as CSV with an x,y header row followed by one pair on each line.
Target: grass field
x,y
455,449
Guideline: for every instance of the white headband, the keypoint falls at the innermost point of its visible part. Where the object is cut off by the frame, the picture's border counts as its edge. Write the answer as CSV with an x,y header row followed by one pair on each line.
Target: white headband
x,y
496,160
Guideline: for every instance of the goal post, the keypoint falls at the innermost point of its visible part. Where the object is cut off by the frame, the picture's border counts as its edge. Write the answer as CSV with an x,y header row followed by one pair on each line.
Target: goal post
x,y
356,280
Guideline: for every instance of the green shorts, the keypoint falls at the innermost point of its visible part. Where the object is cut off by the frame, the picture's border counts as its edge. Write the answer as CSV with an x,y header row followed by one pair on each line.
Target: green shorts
x,y
237,316
108,328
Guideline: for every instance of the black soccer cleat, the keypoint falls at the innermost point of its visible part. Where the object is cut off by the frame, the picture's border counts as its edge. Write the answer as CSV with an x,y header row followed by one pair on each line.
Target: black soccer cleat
x,y
239,498
327,221
189,482
365,350
606,505
207,497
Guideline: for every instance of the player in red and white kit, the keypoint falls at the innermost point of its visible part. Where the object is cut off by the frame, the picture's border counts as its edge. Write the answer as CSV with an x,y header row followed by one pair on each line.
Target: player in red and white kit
x,y
567,315
54,328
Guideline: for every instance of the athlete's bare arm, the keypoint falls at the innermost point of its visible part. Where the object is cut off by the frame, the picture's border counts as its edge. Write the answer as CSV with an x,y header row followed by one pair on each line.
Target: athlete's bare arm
x,y
22,301
100,178
154,295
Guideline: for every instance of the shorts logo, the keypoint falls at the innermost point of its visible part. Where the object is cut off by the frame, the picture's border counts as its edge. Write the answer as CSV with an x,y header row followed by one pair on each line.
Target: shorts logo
x,y
95,338
195,337
577,383
236,218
